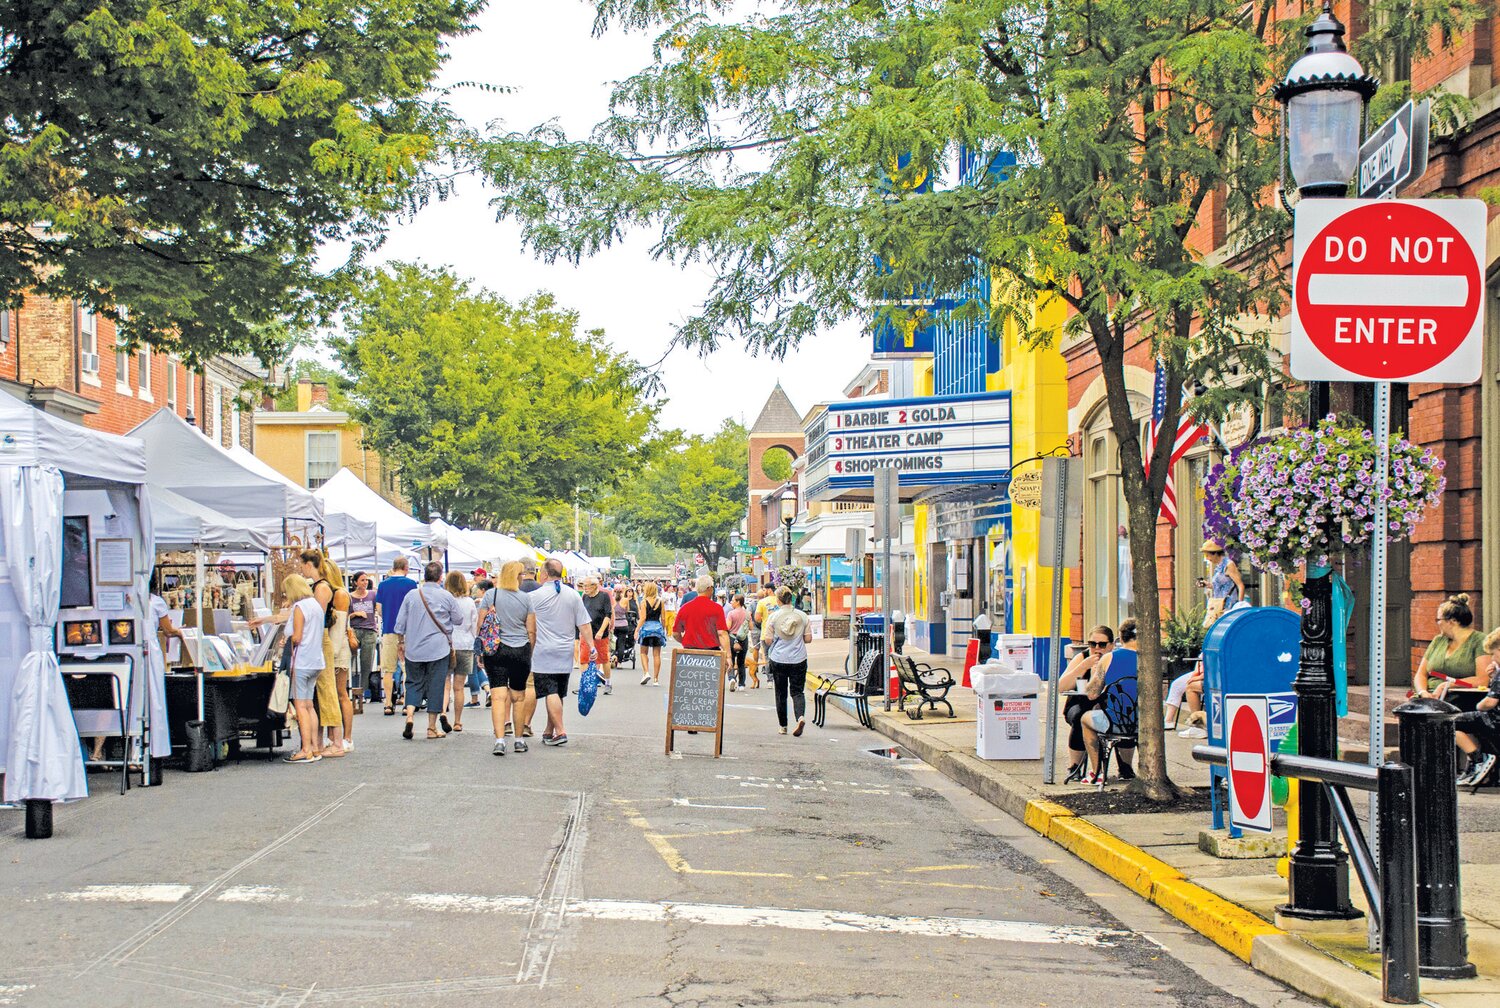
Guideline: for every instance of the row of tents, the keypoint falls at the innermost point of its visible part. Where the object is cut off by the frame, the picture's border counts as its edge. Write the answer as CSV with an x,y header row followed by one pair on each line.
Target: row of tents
x,y
208,497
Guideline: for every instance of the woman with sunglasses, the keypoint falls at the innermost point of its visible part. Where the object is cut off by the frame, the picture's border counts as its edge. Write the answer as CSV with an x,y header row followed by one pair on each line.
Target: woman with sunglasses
x,y
1225,585
1100,641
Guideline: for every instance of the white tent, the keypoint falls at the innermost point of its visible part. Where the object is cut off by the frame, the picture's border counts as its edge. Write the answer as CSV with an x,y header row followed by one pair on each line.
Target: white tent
x,y
180,458
181,523
396,531
470,547
40,457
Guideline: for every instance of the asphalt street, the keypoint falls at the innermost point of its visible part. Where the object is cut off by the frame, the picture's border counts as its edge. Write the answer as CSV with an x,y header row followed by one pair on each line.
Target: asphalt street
x,y
793,871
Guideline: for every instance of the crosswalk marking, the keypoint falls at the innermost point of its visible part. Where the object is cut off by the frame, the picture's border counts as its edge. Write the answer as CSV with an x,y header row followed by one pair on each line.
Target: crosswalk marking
x,y
647,912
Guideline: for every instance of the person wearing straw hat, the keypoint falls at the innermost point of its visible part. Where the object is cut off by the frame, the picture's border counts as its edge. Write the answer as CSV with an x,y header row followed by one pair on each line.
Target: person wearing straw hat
x,y
1224,583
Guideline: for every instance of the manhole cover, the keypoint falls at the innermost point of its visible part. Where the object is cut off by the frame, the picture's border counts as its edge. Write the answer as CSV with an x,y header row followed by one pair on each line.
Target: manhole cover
x,y
891,752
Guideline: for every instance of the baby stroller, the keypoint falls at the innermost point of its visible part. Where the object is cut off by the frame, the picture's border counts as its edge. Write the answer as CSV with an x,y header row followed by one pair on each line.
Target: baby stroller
x,y
625,642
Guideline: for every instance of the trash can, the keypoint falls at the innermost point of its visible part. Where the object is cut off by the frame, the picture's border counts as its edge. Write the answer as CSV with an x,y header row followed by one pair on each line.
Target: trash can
x,y
1010,709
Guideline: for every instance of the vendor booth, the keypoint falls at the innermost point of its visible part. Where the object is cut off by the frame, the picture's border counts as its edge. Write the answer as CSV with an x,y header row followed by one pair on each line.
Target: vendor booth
x,y
74,611
218,685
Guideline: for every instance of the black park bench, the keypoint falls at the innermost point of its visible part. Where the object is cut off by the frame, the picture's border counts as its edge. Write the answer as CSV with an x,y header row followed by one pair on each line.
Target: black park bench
x,y
927,682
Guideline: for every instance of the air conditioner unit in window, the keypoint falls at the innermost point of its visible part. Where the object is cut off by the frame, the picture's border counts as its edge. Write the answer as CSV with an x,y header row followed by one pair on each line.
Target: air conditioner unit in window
x,y
91,362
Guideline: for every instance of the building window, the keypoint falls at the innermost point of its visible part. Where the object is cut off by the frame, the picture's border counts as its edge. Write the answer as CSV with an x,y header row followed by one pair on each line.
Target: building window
x,y
88,340
172,384
1109,595
5,327
144,374
216,413
234,421
192,393
122,370
322,457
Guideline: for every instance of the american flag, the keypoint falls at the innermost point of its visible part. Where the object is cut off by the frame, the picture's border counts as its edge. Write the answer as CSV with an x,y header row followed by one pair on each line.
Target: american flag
x,y
1189,430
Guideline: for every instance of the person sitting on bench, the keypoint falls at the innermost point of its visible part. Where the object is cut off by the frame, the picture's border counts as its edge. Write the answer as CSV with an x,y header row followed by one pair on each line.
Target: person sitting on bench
x,y
1477,732
1118,665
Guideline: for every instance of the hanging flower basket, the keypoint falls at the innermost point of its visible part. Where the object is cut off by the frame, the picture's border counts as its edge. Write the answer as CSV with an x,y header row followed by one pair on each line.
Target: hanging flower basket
x,y
1274,500
792,577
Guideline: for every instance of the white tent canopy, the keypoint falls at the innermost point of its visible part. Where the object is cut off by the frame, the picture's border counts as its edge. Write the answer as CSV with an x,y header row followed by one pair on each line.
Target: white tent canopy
x,y
470,547
181,523
40,458
396,532
182,459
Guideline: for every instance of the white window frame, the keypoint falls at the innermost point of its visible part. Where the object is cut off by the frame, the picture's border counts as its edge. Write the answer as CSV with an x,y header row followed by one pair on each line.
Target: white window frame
x,y
234,420
143,372
122,371
307,467
216,412
171,383
5,324
192,393
88,344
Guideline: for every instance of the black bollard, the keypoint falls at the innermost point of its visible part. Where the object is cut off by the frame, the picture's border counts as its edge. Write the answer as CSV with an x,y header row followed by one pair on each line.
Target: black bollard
x,y
38,819
1427,747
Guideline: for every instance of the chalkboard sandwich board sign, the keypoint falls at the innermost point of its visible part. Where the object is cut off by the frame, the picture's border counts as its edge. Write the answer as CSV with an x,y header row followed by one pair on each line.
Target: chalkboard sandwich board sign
x,y
695,697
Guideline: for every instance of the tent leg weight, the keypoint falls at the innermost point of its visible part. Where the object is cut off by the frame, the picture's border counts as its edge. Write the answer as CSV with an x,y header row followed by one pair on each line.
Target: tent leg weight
x,y
200,752
38,819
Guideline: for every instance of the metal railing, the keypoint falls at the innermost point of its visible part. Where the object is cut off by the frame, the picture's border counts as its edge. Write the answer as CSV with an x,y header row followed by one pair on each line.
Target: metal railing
x,y
1390,884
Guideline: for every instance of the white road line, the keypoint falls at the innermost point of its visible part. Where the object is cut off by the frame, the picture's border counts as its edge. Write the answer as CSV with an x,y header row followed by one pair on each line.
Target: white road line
x,y
125,949
738,808
256,894
147,893
9,993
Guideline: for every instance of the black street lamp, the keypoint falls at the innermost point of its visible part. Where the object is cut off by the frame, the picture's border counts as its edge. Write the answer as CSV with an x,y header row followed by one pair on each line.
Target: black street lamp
x,y
713,557
788,515
734,545
1323,99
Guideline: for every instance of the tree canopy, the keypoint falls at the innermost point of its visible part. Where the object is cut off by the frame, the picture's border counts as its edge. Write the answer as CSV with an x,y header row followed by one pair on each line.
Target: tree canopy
x,y
829,156
490,412
186,159
691,491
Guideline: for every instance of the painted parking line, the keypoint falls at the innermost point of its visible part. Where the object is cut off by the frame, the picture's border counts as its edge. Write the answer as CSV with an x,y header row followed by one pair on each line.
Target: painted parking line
x,y
151,892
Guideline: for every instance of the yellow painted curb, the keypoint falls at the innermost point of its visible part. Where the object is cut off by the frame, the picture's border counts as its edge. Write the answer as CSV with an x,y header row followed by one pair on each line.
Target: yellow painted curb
x,y
1039,814
1224,923
1129,865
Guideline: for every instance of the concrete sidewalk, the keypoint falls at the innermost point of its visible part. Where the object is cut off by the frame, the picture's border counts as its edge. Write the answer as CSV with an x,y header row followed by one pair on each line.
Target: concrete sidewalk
x,y
1158,855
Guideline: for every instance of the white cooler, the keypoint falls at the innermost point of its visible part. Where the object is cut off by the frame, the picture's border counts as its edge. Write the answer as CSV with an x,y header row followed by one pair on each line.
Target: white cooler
x,y
1010,712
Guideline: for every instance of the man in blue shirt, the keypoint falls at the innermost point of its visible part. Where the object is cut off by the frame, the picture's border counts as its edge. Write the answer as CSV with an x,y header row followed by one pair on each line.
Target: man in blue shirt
x,y
388,597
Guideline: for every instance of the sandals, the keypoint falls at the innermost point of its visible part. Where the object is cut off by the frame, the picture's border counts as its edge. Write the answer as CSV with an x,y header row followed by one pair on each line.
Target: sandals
x,y
434,733
457,726
299,757
389,710
333,752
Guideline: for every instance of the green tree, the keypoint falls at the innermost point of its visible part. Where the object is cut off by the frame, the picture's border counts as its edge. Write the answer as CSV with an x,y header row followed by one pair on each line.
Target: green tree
x,y
188,158
691,492
794,150
489,411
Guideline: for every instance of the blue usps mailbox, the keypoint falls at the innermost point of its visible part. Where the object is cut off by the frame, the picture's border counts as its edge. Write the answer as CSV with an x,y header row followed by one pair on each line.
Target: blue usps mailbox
x,y
1255,651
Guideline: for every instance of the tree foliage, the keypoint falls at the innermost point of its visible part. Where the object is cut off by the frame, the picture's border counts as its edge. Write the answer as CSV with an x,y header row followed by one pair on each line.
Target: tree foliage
x,y
314,371
830,155
187,158
691,491
490,412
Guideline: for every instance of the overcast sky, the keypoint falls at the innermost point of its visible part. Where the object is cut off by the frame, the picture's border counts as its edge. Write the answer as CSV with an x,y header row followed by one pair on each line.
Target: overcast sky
x,y
545,51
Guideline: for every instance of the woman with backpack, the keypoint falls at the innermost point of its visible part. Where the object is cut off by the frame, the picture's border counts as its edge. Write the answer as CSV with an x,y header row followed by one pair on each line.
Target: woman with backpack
x,y
738,619
789,632
505,649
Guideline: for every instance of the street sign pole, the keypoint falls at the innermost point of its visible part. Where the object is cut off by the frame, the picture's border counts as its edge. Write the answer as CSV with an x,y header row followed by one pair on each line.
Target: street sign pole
x,y
887,493
1378,564
854,550
1054,651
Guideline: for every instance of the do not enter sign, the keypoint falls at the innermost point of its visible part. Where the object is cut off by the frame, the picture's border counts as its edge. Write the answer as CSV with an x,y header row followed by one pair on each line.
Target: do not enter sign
x,y
1388,290
1249,744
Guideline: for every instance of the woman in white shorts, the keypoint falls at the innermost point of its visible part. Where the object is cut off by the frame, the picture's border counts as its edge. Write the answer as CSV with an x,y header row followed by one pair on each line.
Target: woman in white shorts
x,y
307,662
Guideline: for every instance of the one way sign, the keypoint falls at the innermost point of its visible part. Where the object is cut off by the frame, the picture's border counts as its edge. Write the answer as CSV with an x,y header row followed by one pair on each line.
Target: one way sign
x,y
1396,153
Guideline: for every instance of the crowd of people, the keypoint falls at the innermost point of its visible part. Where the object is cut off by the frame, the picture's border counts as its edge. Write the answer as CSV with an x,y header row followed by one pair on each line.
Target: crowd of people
x,y
512,644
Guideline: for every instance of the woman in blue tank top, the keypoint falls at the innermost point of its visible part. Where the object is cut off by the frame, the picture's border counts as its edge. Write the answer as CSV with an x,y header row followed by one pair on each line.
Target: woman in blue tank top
x,y
1119,666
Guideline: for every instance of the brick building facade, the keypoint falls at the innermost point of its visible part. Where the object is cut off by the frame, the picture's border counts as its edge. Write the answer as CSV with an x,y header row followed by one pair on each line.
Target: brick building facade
x,y
63,358
1457,549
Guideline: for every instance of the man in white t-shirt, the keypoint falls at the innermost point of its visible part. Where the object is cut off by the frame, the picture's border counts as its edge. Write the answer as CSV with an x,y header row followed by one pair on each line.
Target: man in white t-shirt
x,y
556,620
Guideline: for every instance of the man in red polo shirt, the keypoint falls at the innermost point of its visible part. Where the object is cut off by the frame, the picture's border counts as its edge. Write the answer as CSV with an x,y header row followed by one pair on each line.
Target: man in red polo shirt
x,y
700,623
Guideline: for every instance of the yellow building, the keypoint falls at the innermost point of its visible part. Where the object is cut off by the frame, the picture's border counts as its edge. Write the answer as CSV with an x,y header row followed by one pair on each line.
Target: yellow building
x,y
978,553
310,444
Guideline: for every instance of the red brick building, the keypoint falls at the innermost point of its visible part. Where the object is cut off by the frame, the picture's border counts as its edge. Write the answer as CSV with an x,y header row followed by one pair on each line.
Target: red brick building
x,y
1457,549
63,357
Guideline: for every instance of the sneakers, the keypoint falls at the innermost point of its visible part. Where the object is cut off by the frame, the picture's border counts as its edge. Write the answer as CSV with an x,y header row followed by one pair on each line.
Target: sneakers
x,y
1075,773
1479,768
645,679
1192,731
801,724
731,686
499,749
606,688
555,740
521,746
